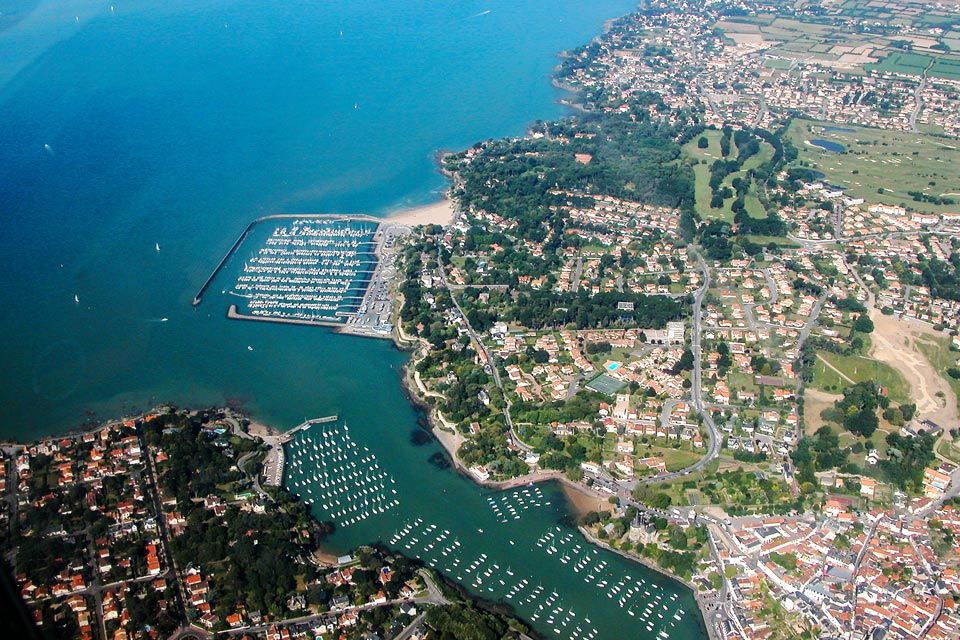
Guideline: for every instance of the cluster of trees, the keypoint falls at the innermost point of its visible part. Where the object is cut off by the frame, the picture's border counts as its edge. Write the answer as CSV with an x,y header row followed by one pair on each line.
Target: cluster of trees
x,y
583,406
462,401
920,196
631,158
857,409
548,309
772,225
943,278
907,457
598,347
488,447
466,622
818,452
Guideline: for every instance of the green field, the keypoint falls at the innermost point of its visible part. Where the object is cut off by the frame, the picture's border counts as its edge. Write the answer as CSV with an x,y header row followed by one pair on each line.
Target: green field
x,y
777,240
915,64
900,62
857,369
946,67
895,161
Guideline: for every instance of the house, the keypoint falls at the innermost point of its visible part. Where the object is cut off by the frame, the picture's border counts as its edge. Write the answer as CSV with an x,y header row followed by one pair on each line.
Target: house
x,y
234,620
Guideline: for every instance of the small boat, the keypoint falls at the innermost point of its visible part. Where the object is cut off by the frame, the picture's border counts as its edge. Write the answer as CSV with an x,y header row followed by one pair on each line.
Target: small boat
x,y
157,246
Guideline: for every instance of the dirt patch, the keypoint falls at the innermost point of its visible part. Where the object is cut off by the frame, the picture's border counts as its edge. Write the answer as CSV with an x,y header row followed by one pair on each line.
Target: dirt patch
x,y
814,402
261,430
893,342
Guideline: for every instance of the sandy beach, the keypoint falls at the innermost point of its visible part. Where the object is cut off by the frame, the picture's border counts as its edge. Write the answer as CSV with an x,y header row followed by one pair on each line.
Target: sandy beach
x,y
435,213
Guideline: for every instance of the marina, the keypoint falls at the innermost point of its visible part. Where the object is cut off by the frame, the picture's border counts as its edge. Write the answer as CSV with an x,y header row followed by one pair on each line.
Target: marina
x,y
513,548
341,479
324,270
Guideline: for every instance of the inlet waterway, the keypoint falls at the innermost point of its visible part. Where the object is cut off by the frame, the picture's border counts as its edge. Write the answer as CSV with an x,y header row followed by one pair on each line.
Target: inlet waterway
x,y
137,139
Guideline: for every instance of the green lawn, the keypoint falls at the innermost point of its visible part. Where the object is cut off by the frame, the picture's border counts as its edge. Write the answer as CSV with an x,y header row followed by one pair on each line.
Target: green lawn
x,y
858,369
949,450
777,240
702,192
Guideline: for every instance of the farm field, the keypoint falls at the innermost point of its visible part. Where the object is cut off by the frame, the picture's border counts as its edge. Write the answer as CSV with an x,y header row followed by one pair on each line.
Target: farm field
x,y
874,159
936,66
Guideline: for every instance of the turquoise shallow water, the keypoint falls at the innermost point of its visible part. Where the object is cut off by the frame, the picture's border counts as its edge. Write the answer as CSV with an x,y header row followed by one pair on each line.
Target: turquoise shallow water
x,y
176,124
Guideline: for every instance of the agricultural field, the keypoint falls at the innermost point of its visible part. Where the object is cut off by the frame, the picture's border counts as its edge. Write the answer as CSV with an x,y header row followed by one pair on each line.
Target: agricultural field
x,y
936,66
803,38
833,373
882,166
902,13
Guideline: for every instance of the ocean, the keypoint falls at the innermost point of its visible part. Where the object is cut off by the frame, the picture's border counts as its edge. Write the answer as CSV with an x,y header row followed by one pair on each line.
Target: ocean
x,y
133,125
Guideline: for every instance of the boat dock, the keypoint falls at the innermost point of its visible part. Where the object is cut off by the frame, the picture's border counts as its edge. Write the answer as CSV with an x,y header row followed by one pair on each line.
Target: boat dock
x,y
328,217
321,270
275,460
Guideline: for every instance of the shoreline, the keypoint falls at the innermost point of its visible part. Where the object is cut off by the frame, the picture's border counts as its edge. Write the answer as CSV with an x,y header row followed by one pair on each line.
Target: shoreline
x,y
580,498
440,213
589,537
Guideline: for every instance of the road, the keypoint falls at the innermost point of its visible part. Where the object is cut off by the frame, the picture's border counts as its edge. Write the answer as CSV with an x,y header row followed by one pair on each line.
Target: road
x,y
494,370
150,485
918,106
433,597
936,231
696,387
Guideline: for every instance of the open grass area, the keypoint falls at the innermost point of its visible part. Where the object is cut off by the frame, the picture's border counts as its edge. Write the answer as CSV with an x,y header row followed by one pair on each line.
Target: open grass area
x,y
777,240
936,349
833,373
701,171
949,450
874,159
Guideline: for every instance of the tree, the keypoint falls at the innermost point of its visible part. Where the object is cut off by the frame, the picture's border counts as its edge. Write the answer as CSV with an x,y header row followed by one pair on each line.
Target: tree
x,y
685,363
863,324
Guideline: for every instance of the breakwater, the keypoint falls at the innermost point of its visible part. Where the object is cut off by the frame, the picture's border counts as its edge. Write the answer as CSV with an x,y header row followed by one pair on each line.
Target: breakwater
x,y
330,217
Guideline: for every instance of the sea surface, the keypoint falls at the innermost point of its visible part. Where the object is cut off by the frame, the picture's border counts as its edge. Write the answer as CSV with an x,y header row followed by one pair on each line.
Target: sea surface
x,y
130,126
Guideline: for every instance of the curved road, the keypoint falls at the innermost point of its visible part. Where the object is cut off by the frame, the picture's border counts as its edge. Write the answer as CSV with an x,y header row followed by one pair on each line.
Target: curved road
x,y
696,387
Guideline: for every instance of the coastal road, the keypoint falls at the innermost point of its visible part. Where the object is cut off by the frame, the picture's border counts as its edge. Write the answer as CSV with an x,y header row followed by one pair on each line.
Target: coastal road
x,y
494,371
